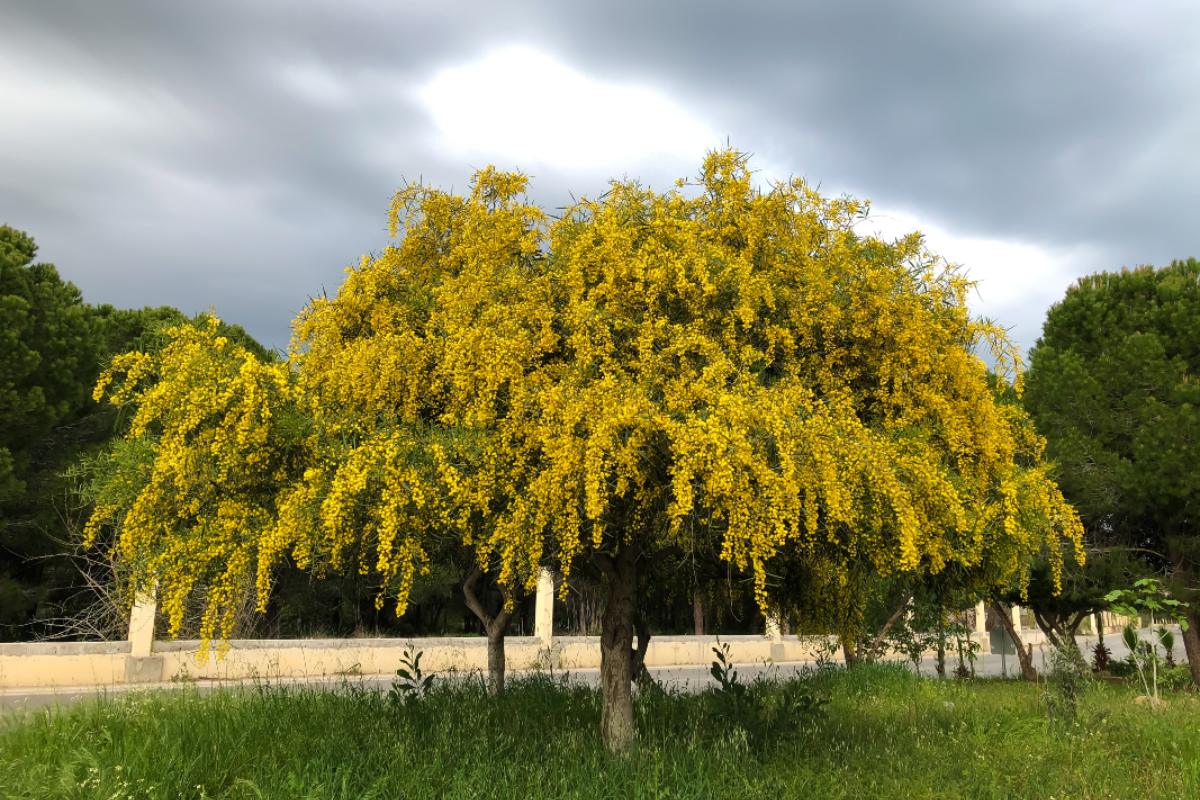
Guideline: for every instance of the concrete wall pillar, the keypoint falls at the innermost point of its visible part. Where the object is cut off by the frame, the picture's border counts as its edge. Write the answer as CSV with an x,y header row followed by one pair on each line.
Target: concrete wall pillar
x,y
981,618
543,618
141,624
142,666
772,629
1016,617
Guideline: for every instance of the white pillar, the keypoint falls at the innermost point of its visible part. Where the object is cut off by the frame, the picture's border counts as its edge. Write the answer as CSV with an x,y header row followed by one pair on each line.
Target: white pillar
x,y
1016,617
981,618
141,625
543,618
773,630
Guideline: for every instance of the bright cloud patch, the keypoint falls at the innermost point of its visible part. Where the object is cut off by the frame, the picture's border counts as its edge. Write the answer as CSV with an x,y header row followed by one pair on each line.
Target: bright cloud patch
x,y
1016,281
519,106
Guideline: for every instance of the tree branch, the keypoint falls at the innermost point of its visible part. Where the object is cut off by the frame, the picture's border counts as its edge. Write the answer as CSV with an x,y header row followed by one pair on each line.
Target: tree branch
x,y
1048,629
877,642
500,621
472,600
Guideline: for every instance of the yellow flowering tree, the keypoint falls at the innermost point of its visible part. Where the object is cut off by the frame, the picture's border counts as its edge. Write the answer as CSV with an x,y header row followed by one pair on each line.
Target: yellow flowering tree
x,y
711,369
191,490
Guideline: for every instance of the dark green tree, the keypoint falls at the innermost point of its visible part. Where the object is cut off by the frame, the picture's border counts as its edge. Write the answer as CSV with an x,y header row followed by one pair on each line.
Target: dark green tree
x,y
1114,386
47,358
52,348
1061,610
46,354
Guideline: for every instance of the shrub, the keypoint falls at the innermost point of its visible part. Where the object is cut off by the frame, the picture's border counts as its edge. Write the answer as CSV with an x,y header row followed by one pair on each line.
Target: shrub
x,y
410,682
1069,679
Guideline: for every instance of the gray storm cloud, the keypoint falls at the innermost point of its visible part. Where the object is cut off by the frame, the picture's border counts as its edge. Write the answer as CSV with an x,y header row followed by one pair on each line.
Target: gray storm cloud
x,y
239,155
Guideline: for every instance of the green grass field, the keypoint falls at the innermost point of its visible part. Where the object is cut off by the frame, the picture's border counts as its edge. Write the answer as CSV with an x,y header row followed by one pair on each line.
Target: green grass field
x,y
883,733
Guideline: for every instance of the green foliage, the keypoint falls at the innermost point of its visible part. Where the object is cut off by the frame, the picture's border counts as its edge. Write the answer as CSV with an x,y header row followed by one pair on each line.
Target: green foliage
x,y
46,354
410,683
47,359
912,640
967,648
1175,679
1114,385
1167,640
1147,597
885,734
123,329
724,673
826,652
1069,678
1144,657
766,711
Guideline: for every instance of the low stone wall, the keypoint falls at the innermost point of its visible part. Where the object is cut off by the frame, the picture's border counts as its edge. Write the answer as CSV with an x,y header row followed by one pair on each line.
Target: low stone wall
x,y
97,664
41,664
46,665
144,660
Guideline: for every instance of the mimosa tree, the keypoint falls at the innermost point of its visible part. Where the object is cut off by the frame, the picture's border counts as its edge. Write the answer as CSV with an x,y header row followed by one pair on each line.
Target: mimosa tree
x,y
710,369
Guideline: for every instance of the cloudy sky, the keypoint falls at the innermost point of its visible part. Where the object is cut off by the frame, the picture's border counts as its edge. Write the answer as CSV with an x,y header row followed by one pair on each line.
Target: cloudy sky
x,y
238,155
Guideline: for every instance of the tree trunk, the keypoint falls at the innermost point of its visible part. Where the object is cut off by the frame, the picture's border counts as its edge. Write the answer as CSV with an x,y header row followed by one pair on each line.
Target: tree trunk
x,y
850,651
495,661
1060,632
698,612
494,626
1048,628
1191,643
637,659
1073,627
1023,655
941,642
616,650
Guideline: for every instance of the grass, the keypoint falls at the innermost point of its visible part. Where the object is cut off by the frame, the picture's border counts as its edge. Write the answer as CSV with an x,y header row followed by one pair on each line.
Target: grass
x,y
883,733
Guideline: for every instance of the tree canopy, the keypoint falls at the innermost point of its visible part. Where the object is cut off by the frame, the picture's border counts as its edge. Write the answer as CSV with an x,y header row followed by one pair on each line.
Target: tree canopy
x,y
1114,384
46,358
715,365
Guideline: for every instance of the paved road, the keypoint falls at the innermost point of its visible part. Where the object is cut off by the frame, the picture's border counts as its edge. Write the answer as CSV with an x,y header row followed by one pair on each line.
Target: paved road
x,y
686,678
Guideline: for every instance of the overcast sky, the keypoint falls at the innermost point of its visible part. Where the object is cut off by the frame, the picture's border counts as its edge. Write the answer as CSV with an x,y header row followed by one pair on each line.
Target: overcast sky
x,y
238,155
